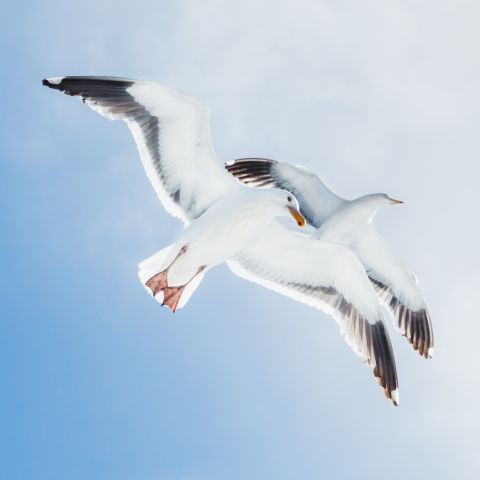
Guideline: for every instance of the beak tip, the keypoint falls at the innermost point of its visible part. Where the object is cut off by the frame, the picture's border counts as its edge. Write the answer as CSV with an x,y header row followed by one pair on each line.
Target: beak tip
x,y
298,217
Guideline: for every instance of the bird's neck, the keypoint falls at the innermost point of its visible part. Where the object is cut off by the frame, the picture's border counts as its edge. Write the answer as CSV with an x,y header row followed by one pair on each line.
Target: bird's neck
x,y
363,210
347,221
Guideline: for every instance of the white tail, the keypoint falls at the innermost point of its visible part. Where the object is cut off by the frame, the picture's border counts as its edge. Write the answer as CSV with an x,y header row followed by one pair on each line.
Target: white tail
x,y
190,288
156,263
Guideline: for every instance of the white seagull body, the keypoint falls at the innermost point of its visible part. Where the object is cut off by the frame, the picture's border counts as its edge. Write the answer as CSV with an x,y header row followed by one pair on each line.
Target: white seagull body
x,y
172,134
350,223
227,221
222,231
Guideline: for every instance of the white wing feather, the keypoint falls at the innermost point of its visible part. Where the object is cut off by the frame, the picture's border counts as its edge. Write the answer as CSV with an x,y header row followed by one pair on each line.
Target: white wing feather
x,y
317,201
330,278
172,133
397,288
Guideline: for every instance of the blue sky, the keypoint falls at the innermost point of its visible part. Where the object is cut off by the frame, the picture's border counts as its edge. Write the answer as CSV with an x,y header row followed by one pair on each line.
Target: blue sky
x,y
98,381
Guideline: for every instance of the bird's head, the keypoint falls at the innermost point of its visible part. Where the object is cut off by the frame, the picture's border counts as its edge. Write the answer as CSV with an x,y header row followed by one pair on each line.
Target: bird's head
x,y
378,200
286,205
370,204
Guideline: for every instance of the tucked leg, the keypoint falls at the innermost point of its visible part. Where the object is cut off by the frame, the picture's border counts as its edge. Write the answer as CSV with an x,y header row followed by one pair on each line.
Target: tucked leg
x,y
159,282
171,295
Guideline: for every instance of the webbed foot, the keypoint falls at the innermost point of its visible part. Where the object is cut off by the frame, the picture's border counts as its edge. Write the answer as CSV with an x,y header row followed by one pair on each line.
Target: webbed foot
x,y
158,282
171,297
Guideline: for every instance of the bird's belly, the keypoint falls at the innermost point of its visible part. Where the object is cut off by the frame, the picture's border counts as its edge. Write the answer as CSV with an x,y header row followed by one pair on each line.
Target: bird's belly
x,y
210,245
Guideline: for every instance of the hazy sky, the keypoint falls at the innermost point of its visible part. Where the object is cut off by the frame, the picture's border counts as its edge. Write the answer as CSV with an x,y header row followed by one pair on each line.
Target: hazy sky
x,y
99,382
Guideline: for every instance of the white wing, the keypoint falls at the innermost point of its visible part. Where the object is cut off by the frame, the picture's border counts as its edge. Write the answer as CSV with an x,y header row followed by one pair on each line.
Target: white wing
x,y
316,201
329,277
172,133
397,288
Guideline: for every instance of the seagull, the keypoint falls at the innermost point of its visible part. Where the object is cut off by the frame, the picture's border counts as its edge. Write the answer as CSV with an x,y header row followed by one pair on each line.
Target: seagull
x,y
349,223
172,135
225,221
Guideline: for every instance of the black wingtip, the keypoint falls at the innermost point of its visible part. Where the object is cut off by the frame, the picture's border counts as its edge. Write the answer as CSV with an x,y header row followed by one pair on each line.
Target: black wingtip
x,y
47,83
385,370
254,172
414,325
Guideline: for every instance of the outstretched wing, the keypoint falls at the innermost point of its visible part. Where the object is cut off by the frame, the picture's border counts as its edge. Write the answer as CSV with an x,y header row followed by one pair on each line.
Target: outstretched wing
x,y
396,287
316,201
330,278
398,290
172,133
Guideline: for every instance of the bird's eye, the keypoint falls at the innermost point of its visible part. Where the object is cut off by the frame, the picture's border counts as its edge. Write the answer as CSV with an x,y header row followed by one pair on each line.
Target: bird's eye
x,y
289,198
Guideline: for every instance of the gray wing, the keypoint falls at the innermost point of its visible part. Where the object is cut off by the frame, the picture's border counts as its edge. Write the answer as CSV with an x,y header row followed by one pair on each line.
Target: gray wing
x,y
328,277
172,133
316,201
413,323
397,288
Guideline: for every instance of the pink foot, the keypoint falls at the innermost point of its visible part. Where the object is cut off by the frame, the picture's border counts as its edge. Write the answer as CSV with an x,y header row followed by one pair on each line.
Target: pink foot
x,y
171,297
157,283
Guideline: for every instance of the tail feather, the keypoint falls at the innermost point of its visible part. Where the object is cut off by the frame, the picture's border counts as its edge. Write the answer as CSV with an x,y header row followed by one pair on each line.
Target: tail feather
x,y
153,265
190,288
157,258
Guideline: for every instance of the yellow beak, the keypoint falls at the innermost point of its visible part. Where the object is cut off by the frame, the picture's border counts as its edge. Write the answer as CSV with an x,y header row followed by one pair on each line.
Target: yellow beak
x,y
297,216
392,200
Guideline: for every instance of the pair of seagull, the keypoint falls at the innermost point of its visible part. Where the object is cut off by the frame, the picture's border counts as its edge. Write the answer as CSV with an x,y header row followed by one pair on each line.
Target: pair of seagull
x,y
343,268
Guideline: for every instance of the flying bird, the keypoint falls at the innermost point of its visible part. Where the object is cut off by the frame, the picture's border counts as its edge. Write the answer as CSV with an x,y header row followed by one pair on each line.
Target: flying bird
x,y
172,134
227,221
349,222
